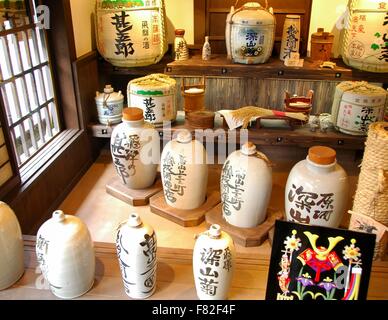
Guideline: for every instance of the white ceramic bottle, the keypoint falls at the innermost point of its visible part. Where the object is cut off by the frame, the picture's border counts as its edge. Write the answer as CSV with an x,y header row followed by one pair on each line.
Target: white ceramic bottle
x,y
11,248
136,250
246,186
213,264
135,150
184,172
206,49
109,106
180,46
65,254
317,190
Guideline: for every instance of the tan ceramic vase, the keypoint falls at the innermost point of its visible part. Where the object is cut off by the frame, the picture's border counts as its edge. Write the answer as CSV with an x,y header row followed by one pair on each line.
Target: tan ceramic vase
x,y
11,248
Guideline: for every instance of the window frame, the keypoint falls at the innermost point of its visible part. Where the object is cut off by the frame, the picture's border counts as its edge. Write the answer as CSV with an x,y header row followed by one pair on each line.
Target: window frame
x,y
70,149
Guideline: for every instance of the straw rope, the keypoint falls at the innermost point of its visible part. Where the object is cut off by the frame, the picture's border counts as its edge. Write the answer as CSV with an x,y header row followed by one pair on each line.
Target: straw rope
x,y
372,192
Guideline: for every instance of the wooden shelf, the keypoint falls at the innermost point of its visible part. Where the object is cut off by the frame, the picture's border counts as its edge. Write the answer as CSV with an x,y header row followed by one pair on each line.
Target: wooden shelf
x,y
174,274
220,66
108,69
300,137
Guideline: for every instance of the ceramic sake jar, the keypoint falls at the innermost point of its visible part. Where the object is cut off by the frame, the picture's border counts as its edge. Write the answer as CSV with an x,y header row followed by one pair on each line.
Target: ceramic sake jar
x,y
156,95
317,190
65,254
184,172
109,106
364,44
250,34
131,33
356,105
246,186
136,250
291,36
213,264
135,150
11,248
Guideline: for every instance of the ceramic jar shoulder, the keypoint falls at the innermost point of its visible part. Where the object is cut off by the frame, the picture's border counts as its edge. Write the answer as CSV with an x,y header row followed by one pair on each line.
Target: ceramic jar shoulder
x,y
184,174
316,194
246,186
65,254
135,150
137,253
11,248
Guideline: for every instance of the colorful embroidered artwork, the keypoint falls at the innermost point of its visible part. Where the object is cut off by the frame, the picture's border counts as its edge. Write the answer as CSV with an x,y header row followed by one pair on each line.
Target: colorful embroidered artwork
x,y
312,263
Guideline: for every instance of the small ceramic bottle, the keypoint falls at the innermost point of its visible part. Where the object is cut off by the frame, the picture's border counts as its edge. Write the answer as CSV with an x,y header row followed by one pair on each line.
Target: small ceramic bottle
x,y
184,172
246,186
180,46
135,150
65,254
109,106
136,250
213,264
317,190
206,50
11,248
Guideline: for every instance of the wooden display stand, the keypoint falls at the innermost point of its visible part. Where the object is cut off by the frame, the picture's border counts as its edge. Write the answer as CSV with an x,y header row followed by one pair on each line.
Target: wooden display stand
x,y
247,237
136,198
185,218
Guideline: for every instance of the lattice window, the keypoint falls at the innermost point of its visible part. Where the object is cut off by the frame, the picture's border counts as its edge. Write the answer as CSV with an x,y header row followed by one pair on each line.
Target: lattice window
x,y
26,83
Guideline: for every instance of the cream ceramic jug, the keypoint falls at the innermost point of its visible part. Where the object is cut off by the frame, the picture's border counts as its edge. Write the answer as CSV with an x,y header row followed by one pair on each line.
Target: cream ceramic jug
x,y
184,172
317,190
246,186
135,150
109,106
11,248
213,264
136,250
65,254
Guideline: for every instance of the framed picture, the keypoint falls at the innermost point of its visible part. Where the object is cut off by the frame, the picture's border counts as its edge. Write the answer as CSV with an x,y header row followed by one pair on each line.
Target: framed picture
x,y
318,263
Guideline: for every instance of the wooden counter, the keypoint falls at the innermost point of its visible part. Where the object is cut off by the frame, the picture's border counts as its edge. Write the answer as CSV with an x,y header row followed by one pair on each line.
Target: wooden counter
x,y
174,277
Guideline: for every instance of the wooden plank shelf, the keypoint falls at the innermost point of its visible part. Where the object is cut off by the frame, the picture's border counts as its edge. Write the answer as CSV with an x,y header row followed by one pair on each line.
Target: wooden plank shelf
x,y
174,274
108,69
299,137
220,66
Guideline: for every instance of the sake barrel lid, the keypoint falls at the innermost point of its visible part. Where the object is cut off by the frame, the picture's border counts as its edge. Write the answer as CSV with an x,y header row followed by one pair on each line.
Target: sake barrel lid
x,y
150,84
133,114
361,88
322,155
253,14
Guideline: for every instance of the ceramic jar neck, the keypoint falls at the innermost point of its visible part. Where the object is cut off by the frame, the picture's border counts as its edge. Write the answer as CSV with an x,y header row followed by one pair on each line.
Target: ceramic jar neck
x,y
134,124
319,167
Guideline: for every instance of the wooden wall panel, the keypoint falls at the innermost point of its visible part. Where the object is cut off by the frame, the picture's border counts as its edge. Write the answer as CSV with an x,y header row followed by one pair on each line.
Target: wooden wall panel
x,y
233,93
214,12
